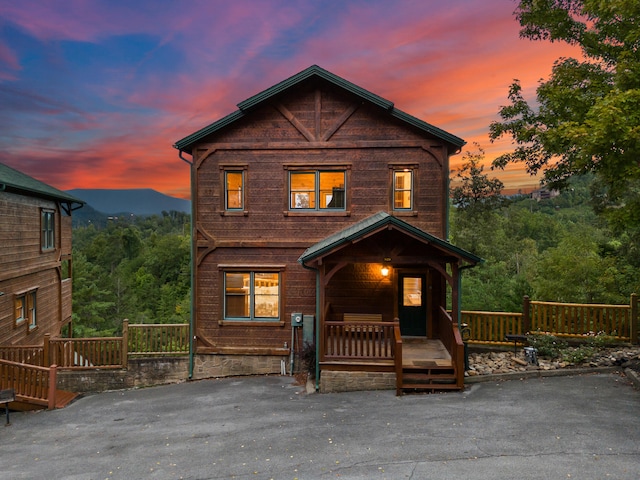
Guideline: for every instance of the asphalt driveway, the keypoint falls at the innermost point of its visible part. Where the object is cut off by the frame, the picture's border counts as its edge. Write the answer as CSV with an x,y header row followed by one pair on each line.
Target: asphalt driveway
x,y
581,427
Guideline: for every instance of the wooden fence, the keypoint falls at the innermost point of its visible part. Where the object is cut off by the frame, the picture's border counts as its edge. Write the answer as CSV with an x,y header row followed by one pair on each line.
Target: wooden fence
x,y
571,320
163,339
358,341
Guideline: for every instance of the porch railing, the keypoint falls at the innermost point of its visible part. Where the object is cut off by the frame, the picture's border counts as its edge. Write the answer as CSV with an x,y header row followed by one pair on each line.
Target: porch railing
x,y
33,384
452,340
82,353
358,341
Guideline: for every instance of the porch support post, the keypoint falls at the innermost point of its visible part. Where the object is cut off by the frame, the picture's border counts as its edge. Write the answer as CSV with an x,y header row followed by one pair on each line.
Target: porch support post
x,y
319,323
456,301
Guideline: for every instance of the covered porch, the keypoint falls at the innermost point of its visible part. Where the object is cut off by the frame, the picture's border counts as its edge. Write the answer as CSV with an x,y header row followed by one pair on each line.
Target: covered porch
x,y
382,287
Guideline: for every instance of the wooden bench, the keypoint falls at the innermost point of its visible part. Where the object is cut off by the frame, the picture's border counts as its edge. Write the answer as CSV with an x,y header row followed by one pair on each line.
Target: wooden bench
x,y
6,396
354,318
515,339
362,317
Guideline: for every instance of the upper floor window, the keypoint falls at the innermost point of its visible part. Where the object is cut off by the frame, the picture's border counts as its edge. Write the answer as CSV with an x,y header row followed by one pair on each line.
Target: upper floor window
x,y
47,240
403,189
252,295
317,190
25,309
234,190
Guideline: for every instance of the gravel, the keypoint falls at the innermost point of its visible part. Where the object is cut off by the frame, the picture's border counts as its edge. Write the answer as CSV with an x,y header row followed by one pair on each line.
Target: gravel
x,y
492,363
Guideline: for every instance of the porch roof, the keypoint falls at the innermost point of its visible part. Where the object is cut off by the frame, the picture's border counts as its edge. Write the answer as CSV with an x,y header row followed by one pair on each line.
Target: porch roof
x,y
381,221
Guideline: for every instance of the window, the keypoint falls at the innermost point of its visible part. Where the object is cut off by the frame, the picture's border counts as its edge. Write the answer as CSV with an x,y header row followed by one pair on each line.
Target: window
x,y
403,189
48,236
25,309
234,190
317,190
250,295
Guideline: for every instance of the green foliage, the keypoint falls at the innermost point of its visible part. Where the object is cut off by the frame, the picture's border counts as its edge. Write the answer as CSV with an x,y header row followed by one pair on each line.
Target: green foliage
x,y
136,268
587,117
551,250
548,346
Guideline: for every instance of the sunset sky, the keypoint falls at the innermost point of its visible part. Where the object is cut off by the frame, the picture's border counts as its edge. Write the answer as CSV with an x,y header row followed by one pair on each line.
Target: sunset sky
x,y
94,93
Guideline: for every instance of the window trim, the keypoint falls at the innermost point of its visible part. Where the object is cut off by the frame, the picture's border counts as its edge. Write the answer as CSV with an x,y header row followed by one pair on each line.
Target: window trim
x,y
393,169
29,310
47,229
231,168
252,319
344,168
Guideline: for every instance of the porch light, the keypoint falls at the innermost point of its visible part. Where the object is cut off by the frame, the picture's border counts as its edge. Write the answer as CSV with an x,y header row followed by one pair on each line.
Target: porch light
x,y
385,271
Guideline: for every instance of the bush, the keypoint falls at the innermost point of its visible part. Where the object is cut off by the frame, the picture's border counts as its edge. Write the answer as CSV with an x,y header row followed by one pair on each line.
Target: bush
x,y
548,346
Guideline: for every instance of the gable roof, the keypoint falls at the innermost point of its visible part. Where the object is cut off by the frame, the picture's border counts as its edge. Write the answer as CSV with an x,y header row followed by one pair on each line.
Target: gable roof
x,y
380,221
13,180
247,105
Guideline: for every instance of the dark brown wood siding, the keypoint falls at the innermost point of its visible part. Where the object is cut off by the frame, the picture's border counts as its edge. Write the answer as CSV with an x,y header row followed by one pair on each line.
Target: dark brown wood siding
x,y
318,127
24,267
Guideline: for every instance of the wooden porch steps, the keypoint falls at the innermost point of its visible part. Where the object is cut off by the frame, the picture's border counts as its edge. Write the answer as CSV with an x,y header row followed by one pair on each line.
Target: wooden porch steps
x,y
427,366
25,404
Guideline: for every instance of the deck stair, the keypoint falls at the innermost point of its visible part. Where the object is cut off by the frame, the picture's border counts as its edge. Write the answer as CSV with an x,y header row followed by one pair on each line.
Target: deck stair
x,y
427,366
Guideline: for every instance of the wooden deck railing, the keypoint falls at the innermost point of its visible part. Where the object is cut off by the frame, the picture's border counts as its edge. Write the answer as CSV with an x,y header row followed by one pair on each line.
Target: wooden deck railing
x,y
82,353
491,327
160,339
358,341
576,320
452,340
31,383
29,354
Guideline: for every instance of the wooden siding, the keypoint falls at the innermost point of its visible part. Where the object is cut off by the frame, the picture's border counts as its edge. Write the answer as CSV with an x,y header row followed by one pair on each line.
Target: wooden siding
x,y
316,126
25,267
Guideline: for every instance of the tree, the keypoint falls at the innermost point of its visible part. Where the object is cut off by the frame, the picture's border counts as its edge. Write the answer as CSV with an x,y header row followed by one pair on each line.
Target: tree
x,y
477,199
476,192
588,112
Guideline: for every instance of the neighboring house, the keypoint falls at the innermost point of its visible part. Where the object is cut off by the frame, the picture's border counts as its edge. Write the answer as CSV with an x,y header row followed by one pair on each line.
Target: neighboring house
x,y
319,198
35,258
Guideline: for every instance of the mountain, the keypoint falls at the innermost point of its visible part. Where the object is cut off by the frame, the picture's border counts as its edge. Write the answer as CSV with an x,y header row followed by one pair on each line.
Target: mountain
x,y
141,201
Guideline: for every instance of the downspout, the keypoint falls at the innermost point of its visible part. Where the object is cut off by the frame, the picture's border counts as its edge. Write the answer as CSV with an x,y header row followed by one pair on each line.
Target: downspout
x,y
192,293
317,325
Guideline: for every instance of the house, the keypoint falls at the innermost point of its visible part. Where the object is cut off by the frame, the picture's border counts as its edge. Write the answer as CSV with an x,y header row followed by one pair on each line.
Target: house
x,y
35,259
318,206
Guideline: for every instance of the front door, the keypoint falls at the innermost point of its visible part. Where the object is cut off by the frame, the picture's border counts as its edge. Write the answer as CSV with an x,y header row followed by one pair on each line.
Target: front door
x,y
412,304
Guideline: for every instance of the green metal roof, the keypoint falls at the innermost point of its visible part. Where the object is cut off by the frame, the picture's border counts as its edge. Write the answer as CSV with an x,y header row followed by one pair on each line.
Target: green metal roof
x,y
13,180
376,222
186,143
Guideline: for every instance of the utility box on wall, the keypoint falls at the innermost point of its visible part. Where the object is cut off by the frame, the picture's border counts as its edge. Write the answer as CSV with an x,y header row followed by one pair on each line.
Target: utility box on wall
x,y
296,319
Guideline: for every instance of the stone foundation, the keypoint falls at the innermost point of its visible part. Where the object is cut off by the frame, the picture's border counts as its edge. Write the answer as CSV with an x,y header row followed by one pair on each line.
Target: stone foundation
x,y
141,372
219,365
339,381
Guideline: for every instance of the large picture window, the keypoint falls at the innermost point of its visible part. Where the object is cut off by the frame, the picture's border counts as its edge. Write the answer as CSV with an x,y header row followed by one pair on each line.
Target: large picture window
x,y
252,295
317,190
403,189
47,240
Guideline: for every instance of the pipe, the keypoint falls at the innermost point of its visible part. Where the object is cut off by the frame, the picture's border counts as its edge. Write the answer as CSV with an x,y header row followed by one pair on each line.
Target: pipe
x,y
317,270
193,265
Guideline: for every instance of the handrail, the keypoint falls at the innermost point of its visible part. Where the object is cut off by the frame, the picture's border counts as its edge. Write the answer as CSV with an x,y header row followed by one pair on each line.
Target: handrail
x,y
31,383
397,338
452,340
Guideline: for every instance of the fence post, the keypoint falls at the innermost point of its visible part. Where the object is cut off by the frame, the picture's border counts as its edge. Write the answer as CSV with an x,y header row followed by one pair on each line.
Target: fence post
x,y
526,315
125,343
634,327
46,350
53,381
